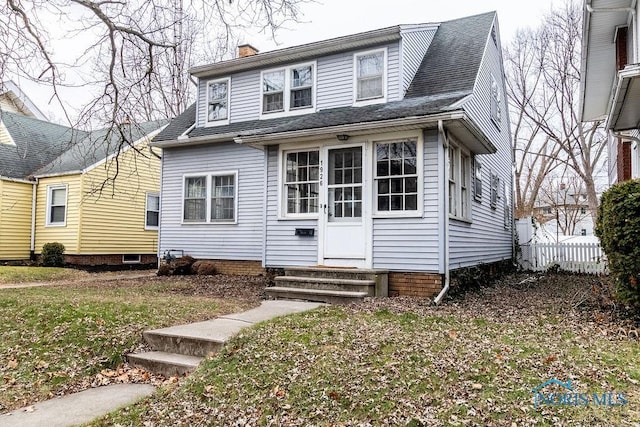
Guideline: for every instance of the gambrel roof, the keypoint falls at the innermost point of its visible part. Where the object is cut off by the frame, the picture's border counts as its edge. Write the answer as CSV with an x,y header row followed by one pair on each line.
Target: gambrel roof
x,y
445,77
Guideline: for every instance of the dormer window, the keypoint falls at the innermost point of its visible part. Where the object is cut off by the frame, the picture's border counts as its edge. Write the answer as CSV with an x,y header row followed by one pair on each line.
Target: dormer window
x,y
218,101
370,72
496,102
288,89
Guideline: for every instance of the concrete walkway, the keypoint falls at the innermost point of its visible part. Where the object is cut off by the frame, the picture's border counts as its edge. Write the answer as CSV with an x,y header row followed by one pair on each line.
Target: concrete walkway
x,y
82,407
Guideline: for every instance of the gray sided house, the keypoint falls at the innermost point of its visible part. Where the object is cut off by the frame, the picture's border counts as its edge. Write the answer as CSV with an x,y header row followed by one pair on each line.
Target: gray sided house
x,y
386,150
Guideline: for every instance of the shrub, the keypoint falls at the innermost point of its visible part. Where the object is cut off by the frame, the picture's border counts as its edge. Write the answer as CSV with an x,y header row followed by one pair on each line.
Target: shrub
x,y
164,270
618,227
52,254
204,268
182,266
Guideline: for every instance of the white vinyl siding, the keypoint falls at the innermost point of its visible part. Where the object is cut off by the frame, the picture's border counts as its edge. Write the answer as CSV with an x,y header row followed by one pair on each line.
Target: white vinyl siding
x,y
486,239
240,240
56,205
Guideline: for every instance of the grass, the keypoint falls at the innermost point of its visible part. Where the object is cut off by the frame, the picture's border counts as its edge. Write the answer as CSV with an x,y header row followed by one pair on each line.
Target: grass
x,y
23,274
59,337
395,362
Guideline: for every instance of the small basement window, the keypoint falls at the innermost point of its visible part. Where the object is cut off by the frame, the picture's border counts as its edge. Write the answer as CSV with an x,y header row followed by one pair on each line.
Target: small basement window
x,y
131,259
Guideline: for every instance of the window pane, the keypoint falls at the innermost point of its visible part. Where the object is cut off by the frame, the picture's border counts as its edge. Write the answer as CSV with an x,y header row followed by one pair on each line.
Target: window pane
x,y
382,152
383,186
396,203
301,98
194,210
383,203
301,76
369,88
196,187
153,202
382,168
152,218
57,214
218,91
411,203
409,166
272,102
370,64
411,185
396,167
273,81
58,196
217,111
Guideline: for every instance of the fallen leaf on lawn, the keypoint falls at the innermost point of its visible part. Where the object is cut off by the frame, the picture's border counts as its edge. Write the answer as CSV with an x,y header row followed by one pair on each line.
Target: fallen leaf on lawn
x,y
12,364
453,334
109,373
42,365
551,358
476,386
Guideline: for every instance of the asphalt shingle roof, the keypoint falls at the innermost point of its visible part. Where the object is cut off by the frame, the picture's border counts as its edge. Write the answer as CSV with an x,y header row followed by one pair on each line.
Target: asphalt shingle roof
x,y
42,147
96,146
446,75
36,143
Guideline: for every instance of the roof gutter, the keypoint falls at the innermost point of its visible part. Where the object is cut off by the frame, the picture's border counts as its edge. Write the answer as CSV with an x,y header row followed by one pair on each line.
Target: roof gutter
x,y
22,181
51,175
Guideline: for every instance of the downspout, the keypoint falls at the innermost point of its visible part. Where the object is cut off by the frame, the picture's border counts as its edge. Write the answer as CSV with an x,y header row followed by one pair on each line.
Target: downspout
x,y
445,210
32,247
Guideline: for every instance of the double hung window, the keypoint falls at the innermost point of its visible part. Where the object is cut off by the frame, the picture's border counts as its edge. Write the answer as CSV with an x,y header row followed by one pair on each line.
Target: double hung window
x,y
210,198
288,89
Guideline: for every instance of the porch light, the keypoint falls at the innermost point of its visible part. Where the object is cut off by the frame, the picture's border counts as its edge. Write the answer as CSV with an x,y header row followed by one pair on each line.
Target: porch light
x,y
342,137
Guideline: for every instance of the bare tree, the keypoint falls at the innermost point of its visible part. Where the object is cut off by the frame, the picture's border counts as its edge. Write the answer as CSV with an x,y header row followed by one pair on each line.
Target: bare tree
x,y
544,76
131,56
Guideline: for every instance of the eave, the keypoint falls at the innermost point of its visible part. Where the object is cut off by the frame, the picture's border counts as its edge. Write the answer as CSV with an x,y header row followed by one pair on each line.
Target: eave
x,y
625,101
456,122
299,53
598,63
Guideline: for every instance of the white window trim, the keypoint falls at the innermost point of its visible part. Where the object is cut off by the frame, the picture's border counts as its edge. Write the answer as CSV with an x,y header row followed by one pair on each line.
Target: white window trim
x,y
420,171
219,122
209,183
384,78
477,180
286,92
50,189
138,261
146,210
282,202
459,152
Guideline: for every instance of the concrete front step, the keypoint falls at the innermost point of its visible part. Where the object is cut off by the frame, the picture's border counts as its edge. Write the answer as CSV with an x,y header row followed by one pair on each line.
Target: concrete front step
x,y
317,295
194,339
335,273
167,364
350,285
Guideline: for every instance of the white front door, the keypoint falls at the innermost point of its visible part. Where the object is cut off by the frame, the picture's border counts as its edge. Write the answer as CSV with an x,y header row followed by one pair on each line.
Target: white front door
x,y
343,214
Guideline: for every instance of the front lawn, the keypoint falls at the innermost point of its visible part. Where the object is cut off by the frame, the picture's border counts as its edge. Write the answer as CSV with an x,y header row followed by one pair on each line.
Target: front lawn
x,y
22,274
401,361
56,339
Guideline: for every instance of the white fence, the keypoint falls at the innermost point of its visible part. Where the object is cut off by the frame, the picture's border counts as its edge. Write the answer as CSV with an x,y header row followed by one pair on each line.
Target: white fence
x,y
575,257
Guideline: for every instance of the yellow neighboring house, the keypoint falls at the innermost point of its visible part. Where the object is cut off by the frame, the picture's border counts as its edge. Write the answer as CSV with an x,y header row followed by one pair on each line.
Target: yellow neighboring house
x,y
69,186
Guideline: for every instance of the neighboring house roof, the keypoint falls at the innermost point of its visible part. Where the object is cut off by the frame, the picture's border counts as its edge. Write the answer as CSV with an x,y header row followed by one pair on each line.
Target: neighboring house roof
x,y
446,76
35,143
12,98
42,148
96,146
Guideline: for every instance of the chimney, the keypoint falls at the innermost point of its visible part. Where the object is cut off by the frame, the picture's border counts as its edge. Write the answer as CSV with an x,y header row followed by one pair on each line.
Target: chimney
x,y
246,50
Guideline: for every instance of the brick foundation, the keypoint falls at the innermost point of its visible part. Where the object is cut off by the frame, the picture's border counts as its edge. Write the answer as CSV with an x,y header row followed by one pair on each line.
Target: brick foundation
x,y
424,285
113,259
238,268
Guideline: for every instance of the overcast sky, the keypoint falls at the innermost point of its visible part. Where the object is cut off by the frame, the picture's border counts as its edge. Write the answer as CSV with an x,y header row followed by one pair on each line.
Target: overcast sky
x,y
325,19
332,18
